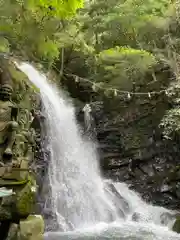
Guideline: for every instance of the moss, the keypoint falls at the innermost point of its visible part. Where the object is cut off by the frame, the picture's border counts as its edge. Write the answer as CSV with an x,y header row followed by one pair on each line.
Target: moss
x,y
25,198
5,183
21,204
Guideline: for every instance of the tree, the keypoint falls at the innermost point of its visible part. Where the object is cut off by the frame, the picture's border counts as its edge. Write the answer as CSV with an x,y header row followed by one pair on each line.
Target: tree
x,y
120,27
112,44
128,42
30,28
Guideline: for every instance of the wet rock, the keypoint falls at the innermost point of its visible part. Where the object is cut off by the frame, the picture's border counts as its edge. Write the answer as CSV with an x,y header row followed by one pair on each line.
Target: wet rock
x,y
165,188
31,228
136,217
167,217
133,150
120,202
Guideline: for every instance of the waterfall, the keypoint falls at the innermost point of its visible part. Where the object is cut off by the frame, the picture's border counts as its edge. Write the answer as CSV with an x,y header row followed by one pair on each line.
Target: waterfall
x,y
80,198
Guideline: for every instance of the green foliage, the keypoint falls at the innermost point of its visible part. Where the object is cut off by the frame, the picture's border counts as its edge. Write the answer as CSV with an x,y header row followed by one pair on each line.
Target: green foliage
x,y
125,64
4,45
29,27
59,8
115,44
131,42
171,122
125,22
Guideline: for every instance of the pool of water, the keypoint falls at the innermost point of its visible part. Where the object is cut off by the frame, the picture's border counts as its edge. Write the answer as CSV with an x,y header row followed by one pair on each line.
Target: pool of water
x,y
117,231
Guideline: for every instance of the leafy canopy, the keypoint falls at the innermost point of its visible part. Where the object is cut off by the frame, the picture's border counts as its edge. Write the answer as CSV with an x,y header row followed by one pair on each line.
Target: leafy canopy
x,y
29,27
112,43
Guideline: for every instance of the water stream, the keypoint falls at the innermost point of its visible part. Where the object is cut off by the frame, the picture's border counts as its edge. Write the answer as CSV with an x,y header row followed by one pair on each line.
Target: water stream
x,y
85,205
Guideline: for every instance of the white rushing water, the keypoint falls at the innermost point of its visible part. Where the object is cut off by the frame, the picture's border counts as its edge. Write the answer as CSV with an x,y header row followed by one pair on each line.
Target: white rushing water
x,y
86,206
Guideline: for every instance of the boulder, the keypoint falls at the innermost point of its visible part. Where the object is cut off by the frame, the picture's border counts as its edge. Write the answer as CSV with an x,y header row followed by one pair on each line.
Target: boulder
x,y
25,198
32,228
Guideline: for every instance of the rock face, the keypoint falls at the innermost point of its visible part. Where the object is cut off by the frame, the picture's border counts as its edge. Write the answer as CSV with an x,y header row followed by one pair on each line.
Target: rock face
x,y
31,228
133,150
28,229
18,187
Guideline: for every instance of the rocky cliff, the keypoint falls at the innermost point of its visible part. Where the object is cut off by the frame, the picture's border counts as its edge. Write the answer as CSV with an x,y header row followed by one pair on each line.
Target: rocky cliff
x,y
131,144
134,151
18,145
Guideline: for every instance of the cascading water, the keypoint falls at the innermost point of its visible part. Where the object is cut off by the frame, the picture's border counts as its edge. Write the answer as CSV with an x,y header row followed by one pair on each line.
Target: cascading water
x,y
85,205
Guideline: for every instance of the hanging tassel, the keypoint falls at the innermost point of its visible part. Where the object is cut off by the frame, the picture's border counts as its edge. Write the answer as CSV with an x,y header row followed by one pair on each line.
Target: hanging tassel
x,y
166,92
149,95
77,79
129,96
115,92
94,87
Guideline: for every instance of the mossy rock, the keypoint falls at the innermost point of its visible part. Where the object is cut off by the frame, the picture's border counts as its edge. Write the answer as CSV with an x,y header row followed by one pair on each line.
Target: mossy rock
x,y
21,203
176,226
11,176
16,174
10,183
31,228
25,198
